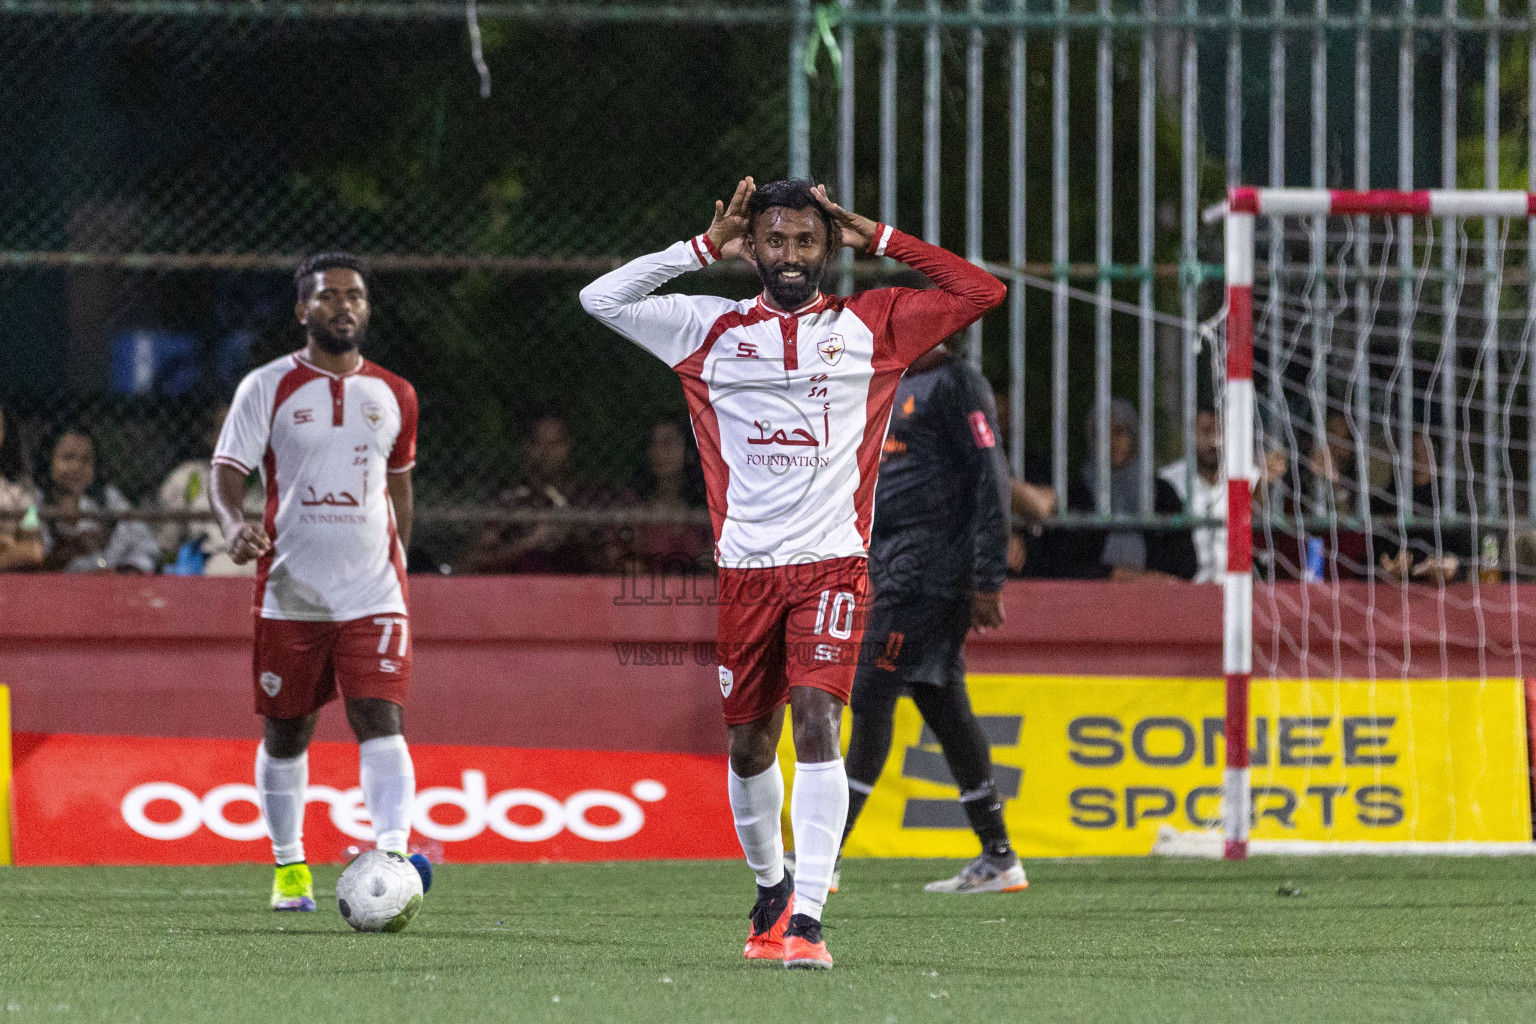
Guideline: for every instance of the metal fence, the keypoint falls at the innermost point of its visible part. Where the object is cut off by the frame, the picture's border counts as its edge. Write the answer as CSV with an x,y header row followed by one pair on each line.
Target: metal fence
x,y
165,163
1184,100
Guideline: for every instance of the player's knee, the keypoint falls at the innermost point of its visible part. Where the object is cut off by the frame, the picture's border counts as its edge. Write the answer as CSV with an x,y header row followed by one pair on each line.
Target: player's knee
x,y
372,718
943,706
287,737
871,702
752,750
817,722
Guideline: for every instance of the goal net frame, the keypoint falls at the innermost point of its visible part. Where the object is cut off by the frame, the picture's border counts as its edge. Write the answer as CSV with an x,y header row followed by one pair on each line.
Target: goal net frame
x,y
1243,205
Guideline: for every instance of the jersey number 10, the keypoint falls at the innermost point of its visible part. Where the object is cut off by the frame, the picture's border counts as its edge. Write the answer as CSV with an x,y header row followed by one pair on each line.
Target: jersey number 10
x,y
839,623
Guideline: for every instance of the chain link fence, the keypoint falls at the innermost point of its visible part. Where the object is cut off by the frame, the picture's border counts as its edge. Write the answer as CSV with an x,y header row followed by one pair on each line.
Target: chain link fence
x,y
165,164
163,174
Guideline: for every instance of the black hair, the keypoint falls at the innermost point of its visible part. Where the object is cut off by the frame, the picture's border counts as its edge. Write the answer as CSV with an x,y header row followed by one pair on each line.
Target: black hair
x,y
693,471
97,489
792,194
304,277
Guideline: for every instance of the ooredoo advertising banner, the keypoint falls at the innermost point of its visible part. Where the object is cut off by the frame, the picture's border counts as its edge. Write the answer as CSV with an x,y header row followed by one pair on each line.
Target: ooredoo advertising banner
x,y
133,800
1093,766
5,775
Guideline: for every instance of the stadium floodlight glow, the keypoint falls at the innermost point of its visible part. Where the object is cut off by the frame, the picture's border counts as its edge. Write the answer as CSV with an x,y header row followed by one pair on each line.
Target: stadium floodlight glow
x,y
1241,469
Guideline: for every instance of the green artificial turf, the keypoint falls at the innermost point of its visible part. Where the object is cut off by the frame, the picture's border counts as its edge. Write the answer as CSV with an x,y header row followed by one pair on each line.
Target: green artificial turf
x,y
1322,939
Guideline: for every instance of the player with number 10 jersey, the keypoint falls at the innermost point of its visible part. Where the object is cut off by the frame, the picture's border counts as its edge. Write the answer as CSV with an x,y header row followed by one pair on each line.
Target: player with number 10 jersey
x,y
790,394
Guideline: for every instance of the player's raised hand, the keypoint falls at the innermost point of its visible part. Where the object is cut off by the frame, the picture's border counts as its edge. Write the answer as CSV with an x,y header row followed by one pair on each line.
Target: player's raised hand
x,y
858,230
728,231
246,542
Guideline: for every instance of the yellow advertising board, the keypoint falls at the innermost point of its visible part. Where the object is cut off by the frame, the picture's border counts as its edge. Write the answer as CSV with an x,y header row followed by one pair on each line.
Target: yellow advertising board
x,y
1094,766
5,775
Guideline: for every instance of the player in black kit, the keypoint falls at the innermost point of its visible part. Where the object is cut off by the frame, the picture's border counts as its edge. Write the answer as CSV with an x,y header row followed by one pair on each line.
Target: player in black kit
x,y
937,558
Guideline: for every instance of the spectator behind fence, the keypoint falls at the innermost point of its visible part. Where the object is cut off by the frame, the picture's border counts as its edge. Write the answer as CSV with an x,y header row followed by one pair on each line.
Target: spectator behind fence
x,y
1210,490
546,483
1328,480
21,538
1322,549
671,481
1123,553
1425,558
1031,501
86,537
200,543
1208,497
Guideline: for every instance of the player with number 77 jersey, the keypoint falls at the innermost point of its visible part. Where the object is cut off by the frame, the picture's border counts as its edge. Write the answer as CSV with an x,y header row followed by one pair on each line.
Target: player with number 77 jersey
x,y
790,394
334,438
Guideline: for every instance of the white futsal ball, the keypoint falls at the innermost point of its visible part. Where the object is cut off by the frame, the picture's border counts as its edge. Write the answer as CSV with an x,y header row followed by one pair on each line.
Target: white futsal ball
x,y
380,891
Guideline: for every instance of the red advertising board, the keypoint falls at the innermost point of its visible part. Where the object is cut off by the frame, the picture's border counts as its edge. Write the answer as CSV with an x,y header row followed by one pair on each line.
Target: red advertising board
x,y
138,800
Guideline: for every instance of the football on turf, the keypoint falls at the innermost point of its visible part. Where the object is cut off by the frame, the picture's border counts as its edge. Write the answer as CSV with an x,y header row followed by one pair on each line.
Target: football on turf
x,y
380,891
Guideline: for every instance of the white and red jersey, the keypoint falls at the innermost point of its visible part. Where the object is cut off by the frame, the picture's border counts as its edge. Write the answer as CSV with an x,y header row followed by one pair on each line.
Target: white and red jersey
x,y
324,444
790,409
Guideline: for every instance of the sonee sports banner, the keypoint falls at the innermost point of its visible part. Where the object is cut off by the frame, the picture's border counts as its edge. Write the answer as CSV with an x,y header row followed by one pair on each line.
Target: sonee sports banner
x,y
131,800
1094,766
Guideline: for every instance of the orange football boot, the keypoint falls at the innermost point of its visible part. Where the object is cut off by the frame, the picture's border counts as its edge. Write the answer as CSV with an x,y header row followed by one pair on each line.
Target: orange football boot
x,y
803,945
769,918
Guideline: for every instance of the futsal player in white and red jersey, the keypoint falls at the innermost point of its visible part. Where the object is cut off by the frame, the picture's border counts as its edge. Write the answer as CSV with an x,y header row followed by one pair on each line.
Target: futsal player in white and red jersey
x,y
334,438
790,394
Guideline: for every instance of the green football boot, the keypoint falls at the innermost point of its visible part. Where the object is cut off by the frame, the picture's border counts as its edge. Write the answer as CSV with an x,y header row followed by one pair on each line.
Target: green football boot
x,y
293,888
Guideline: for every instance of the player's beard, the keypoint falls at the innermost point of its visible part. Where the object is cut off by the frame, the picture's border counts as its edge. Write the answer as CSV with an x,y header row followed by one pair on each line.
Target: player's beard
x,y
791,295
335,344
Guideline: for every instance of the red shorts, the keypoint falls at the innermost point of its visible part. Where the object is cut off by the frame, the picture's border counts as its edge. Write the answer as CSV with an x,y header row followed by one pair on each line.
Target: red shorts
x,y
797,625
299,666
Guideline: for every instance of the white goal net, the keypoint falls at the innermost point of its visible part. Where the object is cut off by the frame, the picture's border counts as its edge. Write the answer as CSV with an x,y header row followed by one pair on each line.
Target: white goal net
x,y
1379,409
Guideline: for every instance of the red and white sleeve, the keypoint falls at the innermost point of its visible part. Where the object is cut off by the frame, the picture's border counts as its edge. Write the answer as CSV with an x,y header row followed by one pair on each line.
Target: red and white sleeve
x,y
403,456
243,438
908,322
670,327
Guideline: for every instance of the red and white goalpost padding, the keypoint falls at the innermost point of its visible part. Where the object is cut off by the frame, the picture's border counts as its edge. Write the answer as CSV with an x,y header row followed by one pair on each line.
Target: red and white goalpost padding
x,y
1243,205
1241,472
1379,202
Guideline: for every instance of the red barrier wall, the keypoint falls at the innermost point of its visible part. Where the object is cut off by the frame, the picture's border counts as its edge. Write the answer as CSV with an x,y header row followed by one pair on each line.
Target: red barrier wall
x,y
551,661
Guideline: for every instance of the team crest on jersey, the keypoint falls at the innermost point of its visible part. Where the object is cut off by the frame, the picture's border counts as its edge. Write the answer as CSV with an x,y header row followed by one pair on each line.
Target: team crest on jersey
x,y
832,349
271,682
373,412
727,681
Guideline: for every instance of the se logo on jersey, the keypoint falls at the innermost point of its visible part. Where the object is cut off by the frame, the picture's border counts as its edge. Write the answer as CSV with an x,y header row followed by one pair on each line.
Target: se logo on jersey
x,y
727,681
373,412
831,349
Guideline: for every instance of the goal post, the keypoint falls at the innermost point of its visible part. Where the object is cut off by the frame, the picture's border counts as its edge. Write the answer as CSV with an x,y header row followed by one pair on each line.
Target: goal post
x,y
1241,474
1362,264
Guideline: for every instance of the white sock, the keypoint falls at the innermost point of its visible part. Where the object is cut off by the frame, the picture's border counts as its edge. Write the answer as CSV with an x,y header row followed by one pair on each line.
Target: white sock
x,y
818,808
389,787
756,804
280,783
